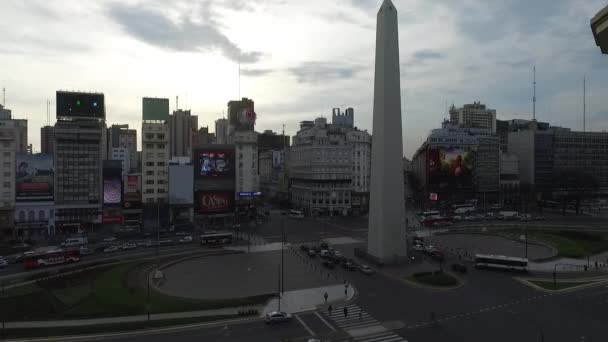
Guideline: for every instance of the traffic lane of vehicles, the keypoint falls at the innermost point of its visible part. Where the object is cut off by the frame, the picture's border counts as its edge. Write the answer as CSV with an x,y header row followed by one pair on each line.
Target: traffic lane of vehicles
x,y
331,258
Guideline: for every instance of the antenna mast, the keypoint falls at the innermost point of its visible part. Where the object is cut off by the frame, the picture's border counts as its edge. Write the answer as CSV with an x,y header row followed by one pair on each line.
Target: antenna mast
x,y
176,103
239,98
584,103
534,96
3,97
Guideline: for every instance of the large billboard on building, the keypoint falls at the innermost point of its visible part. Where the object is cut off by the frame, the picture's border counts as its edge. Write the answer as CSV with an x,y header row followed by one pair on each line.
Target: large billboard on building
x,y
214,202
34,177
132,191
112,192
450,166
155,109
77,104
214,163
181,184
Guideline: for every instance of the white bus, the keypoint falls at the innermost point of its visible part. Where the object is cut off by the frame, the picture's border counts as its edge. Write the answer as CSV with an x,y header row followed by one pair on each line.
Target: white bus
x,y
501,262
215,238
296,214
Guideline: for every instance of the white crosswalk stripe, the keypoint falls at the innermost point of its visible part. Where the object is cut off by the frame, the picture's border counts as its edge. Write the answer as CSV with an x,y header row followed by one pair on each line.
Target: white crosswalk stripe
x,y
356,319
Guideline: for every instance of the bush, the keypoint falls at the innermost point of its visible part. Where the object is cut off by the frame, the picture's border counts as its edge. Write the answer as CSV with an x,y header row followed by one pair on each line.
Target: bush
x,y
438,279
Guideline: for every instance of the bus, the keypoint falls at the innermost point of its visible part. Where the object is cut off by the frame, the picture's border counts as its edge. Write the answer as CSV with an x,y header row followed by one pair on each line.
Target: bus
x,y
501,262
51,257
215,238
296,214
426,214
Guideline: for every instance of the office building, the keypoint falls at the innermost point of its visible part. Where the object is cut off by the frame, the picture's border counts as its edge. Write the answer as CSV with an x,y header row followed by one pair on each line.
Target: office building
x,y
121,137
599,27
155,150
182,124
474,115
361,145
247,178
346,119
8,151
269,140
509,178
320,169
221,131
47,139
123,155
79,148
202,137
181,192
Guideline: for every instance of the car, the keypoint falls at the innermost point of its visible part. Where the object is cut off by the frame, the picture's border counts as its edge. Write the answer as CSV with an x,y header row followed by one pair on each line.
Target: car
x,y
277,317
85,251
324,253
304,248
539,218
349,265
111,249
312,253
328,264
144,243
457,218
109,239
418,248
437,255
429,249
181,234
236,226
3,262
459,267
338,254
128,246
165,242
185,239
366,269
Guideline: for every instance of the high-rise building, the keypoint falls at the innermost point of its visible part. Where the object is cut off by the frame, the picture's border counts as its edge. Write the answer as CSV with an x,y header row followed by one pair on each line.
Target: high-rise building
x,y
247,178
5,114
46,139
221,131
202,137
269,140
155,150
122,154
509,178
387,203
79,148
241,115
8,151
474,115
121,137
182,124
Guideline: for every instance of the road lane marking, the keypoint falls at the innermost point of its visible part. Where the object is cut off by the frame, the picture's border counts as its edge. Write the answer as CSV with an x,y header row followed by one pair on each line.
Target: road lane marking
x,y
324,321
312,333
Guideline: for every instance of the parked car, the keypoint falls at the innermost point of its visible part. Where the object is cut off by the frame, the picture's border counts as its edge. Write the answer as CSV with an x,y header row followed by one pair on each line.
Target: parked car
x,y
366,269
328,264
312,253
128,246
185,239
539,218
111,249
438,255
419,248
109,239
85,251
277,317
3,262
460,268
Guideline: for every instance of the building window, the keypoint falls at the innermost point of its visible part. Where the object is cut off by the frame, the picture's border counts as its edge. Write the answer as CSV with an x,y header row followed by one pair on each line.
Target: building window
x,y
7,174
149,191
150,181
160,146
160,163
7,184
22,216
160,136
31,216
149,145
149,163
149,173
161,191
41,215
160,181
7,154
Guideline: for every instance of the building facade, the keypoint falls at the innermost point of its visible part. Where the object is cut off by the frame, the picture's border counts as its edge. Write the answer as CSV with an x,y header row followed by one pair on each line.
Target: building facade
x,y
247,177
202,137
47,139
155,150
221,131
361,145
120,136
8,151
509,178
182,124
474,115
122,154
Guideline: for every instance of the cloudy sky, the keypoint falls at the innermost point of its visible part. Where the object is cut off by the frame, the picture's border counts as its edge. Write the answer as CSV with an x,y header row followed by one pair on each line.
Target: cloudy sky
x,y
301,58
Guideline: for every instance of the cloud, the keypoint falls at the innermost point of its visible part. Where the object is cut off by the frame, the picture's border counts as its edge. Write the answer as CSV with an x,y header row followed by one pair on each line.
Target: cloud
x,y
155,29
316,72
255,72
427,54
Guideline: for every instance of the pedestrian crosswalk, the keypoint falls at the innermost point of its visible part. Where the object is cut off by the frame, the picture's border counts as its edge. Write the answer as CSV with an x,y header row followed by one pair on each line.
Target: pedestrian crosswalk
x,y
361,325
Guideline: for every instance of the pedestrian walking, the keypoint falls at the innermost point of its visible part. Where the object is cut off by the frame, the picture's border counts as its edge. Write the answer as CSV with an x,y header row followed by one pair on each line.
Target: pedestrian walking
x,y
325,296
345,312
329,309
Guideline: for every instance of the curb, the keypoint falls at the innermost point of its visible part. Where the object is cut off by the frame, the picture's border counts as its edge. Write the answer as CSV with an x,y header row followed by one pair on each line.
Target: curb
x,y
588,283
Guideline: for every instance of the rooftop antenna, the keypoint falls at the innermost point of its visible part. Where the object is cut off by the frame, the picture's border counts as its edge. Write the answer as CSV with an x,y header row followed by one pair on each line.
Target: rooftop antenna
x,y
584,103
239,78
3,97
534,96
48,111
176,103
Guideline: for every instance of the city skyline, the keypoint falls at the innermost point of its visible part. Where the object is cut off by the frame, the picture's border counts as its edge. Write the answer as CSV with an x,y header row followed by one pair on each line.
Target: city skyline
x,y
199,56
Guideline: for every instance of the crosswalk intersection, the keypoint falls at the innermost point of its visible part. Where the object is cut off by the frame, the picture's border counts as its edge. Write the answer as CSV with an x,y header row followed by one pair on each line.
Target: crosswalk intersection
x,y
360,325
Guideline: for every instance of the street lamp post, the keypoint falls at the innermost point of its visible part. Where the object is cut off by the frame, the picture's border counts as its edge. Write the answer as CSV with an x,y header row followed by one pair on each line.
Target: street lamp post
x,y
282,256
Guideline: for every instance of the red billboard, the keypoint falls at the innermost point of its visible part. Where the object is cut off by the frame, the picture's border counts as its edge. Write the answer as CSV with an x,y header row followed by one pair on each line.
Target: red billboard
x,y
214,202
111,219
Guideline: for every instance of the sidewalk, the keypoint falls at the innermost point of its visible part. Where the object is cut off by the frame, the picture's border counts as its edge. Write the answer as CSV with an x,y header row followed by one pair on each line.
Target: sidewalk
x,y
310,299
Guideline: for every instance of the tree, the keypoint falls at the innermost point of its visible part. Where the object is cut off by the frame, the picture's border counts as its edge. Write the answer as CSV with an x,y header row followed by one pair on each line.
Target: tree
x,y
575,186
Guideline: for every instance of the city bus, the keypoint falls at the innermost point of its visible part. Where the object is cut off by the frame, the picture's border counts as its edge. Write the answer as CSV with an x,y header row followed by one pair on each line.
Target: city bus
x,y
501,262
215,238
51,257
296,214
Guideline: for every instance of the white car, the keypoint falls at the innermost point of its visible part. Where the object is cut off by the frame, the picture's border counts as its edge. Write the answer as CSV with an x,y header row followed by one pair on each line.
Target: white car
x,y
128,246
3,262
185,239
277,317
366,269
111,249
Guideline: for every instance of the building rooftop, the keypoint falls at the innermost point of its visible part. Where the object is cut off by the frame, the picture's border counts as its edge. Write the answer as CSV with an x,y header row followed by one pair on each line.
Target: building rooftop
x,y
599,27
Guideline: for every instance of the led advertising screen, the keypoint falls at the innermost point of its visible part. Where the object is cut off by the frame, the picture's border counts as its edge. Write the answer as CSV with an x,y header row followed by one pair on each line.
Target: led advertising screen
x,y
155,109
132,192
214,202
214,164
112,192
76,104
450,167
34,177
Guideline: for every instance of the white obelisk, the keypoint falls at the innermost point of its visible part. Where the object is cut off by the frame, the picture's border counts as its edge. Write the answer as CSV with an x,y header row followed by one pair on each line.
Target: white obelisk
x,y
386,230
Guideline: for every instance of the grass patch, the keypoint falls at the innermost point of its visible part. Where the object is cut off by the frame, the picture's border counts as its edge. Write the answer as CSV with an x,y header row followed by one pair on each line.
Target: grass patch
x,y
438,279
108,328
560,285
105,293
570,244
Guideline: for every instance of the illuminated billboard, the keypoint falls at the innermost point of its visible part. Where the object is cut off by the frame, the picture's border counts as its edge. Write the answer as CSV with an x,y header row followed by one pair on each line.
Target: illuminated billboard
x,y
450,167
155,109
214,202
34,177
77,104
112,192
214,164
